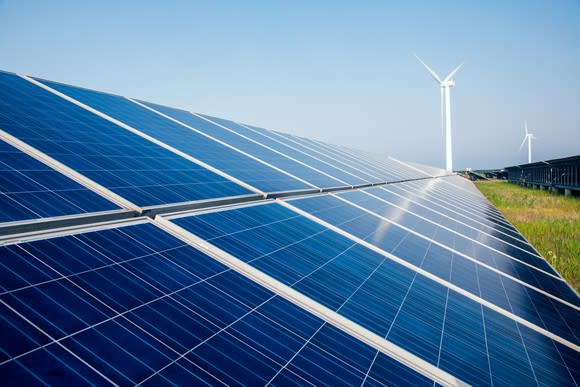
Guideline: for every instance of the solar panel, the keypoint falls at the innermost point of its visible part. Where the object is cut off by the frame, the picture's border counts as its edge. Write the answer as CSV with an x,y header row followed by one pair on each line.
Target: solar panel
x,y
421,315
269,138
269,155
133,313
291,261
290,141
127,164
184,139
31,190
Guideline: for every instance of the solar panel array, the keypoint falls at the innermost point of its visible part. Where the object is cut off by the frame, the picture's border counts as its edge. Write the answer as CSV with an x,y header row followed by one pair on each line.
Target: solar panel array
x,y
144,244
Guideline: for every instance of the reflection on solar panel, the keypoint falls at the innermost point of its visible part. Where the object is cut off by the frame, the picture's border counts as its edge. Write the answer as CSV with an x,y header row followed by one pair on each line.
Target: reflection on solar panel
x,y
290,261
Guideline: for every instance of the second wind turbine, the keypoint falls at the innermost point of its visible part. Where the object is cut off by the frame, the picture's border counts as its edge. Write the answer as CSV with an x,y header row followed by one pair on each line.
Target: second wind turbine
x,y
446,85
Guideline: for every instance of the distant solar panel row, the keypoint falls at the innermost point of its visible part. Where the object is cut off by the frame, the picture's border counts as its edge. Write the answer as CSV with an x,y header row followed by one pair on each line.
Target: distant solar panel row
x,y
423,266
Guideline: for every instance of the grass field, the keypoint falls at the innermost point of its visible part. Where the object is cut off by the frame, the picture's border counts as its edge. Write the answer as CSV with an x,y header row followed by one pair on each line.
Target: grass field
x,y
549,222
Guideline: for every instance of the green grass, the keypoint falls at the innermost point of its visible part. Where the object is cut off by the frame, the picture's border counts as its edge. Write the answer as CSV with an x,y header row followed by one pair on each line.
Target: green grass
x,y
551,223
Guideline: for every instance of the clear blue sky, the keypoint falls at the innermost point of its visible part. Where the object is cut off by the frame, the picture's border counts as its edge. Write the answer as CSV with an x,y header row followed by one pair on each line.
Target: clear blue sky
x,y
337,71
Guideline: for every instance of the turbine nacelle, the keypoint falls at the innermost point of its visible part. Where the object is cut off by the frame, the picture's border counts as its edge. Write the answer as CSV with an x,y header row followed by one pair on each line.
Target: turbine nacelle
x,y
449,83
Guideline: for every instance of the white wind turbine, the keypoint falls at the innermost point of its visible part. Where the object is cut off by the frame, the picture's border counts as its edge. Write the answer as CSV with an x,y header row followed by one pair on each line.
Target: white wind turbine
x,y
529,136
446,85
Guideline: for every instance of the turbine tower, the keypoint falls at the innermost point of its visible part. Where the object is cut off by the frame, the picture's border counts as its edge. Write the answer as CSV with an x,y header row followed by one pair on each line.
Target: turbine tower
x,y
529,136
446,85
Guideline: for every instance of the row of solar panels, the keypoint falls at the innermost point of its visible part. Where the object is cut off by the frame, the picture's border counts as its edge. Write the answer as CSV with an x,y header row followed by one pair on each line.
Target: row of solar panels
x,y
402,283
138,155
162,301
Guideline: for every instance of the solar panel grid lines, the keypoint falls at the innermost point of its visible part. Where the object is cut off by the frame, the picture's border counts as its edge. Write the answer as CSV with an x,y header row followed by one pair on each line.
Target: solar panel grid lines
x,y
394,173
460,220
146,106
474,240
401,171
214,121
330,266
127,164
299,152
310,305
467,256
251,346
344,158
473,216
282,264
358,174
471,213
68,172
143,135
478,201
329,158
408,166
519,294
433,277
410,230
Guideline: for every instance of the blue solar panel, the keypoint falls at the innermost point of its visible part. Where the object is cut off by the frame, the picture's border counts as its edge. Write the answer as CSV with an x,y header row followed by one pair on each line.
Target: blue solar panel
x,y
472,216
499,254
489,285
127,164
130,313
357,161
269,139
422,316
454,221
30,190
127,303
257,150
184,139
438,192
287,140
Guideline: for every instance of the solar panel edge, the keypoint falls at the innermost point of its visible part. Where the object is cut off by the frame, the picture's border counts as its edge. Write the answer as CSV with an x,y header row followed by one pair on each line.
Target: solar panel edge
x,y
73,230
272,149
143,135
451,218
19,229
434,278
223,143
450,230
358,332
68,172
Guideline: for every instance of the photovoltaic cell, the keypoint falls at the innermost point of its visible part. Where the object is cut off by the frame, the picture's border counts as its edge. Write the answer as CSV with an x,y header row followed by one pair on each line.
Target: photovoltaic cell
x,y
496,252
257,150
482,211
30,189
418,204
184,139
473,216
125,163
108,306
269,139
510,295
422,316
361,176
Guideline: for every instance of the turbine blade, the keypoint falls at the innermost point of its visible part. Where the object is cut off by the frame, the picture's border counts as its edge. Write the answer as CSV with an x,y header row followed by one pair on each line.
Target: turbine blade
x,y
526,126
433,73
523,142
452,74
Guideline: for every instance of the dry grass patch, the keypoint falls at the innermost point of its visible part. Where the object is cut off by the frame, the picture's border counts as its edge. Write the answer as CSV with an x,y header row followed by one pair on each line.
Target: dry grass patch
x,y
550,222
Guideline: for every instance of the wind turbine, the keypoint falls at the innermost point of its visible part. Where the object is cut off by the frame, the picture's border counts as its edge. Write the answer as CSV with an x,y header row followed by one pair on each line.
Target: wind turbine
x,y
529,136
446,85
